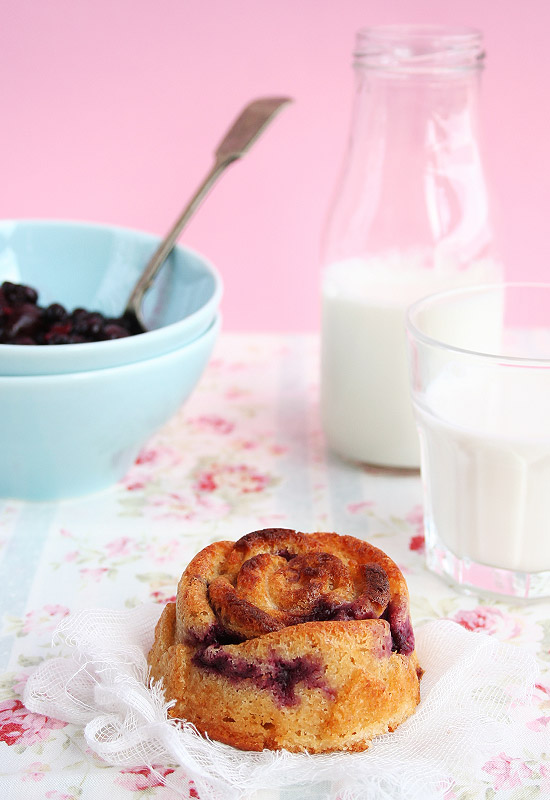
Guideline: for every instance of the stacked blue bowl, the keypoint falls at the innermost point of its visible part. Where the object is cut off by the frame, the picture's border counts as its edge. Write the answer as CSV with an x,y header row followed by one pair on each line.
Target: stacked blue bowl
x,y
73,417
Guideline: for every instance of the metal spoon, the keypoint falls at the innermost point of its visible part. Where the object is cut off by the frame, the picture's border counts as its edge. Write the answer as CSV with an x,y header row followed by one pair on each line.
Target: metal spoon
x,y
241,135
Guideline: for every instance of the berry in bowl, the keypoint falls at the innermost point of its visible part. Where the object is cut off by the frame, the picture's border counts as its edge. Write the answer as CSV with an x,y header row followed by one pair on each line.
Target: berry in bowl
x,y
23,321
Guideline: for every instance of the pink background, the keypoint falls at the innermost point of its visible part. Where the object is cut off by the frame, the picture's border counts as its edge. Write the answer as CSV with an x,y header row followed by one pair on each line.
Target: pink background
x,y
111,110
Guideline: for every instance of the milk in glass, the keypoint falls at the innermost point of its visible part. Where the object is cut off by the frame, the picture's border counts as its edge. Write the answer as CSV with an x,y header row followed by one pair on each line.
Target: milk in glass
x,y
486,462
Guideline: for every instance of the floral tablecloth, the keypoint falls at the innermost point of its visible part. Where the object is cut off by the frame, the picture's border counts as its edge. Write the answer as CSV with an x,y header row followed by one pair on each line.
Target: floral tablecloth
x,y
246,452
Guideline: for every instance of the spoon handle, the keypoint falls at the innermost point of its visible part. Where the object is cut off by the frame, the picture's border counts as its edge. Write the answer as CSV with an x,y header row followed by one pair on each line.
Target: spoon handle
x,y
239,138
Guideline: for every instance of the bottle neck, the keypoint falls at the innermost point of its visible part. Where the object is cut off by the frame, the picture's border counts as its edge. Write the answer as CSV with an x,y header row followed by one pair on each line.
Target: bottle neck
x,y
413,178
419,75
416,113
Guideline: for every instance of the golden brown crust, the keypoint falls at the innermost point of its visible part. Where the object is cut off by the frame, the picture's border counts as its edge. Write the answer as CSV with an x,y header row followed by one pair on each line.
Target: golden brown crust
x,y
292,640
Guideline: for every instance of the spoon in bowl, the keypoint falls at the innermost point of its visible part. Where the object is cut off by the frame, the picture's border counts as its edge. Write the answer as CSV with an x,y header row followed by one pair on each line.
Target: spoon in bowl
x,y
241,135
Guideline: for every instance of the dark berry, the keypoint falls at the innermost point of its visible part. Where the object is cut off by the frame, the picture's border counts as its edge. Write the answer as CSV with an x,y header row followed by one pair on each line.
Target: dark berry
x,y
59,329
114,331
90,325
96,322
55,313
16,294
78,314
32,295
58,338
24,321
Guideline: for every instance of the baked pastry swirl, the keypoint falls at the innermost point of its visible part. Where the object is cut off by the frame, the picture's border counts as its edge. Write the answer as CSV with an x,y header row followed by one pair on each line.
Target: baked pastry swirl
x,y
289,640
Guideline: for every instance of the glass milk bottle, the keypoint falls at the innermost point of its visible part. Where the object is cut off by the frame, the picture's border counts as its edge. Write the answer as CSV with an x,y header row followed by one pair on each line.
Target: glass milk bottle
x,y
411,217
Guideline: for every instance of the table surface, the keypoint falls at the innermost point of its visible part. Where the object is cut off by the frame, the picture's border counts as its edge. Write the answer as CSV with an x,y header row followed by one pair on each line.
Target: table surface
x,y
246,452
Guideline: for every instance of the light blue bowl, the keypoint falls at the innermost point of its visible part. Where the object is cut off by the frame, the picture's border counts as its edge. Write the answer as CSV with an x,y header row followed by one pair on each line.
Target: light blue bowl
x,y
95,267
73,434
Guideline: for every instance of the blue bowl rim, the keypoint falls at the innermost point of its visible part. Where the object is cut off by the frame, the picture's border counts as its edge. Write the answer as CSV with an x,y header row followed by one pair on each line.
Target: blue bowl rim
x,y
126,342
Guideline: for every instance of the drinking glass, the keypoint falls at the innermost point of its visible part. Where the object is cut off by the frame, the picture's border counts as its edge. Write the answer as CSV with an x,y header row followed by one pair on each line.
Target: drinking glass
x,y
480,378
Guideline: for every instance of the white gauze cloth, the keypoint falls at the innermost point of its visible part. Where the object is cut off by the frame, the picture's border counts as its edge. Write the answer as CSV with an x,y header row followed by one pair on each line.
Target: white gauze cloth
x,y
471,685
